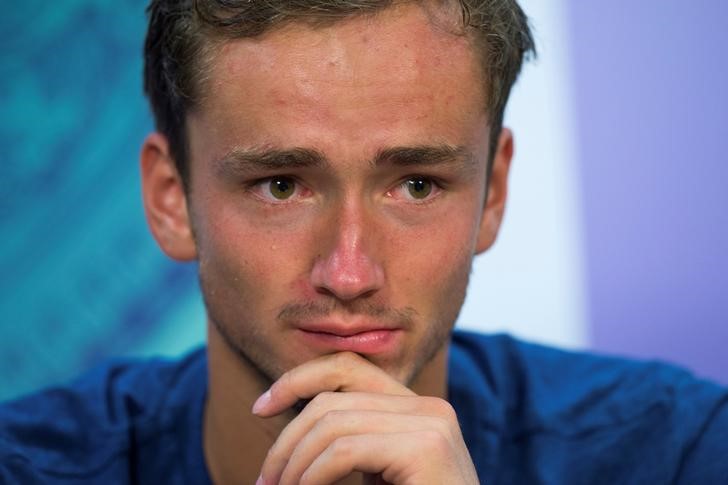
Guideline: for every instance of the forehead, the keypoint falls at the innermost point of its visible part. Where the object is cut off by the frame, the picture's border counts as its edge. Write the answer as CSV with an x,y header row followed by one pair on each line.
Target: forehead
x,y
371,76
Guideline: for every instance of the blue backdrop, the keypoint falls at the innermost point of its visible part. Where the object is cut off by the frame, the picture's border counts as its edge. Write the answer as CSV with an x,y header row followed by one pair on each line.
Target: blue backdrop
x,y
82,278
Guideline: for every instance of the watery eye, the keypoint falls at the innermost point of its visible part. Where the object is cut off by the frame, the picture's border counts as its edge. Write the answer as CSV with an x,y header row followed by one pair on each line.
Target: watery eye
x,y
281,187
419,188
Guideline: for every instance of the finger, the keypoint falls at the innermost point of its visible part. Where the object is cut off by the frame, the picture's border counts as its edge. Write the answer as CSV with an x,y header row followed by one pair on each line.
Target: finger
x,y
401,458
343,371
337,424
330,402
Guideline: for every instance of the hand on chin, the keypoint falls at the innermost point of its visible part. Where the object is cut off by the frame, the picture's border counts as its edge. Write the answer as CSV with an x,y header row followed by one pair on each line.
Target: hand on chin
x,y
360,419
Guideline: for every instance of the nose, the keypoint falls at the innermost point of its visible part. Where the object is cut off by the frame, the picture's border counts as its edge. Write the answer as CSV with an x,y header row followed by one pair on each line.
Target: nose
x,y
348,267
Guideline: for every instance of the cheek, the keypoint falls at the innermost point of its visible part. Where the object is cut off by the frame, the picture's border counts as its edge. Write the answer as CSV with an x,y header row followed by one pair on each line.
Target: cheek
x,y
247,263
436,259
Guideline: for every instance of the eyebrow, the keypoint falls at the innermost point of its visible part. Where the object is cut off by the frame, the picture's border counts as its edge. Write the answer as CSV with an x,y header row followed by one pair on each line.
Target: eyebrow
x,y
425,155
241,161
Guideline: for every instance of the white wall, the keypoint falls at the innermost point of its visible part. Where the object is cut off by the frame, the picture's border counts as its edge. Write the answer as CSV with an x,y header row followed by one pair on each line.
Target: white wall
x,y
531,282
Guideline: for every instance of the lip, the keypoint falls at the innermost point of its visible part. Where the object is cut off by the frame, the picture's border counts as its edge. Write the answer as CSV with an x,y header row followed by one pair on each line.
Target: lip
x,y
341,329
360,339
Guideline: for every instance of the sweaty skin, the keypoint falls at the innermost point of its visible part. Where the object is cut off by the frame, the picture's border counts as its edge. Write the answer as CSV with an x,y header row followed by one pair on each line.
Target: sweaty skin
x,y
338,188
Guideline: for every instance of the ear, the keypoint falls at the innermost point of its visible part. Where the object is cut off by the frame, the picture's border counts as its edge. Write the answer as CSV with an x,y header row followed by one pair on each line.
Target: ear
x,y
497,192
165,202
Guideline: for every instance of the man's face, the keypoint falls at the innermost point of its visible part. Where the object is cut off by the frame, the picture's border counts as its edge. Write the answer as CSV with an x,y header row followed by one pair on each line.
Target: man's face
x,y
337,190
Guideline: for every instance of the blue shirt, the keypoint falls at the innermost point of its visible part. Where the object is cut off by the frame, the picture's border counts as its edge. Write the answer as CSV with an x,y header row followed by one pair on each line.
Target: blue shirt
x,y
529,414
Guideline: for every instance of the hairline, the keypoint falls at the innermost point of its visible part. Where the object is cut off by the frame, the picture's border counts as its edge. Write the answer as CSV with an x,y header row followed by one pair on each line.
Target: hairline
x,y
213,43
212,40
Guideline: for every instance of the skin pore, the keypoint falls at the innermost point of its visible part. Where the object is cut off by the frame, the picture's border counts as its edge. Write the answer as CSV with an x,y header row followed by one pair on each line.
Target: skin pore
x,y
337,180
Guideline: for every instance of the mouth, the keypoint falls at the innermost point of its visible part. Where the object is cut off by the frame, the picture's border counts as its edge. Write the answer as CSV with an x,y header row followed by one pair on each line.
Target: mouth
x,y
362,339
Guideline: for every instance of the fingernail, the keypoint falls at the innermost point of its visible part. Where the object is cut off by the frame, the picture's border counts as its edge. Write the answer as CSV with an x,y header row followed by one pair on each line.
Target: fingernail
x,y
261,403
260,481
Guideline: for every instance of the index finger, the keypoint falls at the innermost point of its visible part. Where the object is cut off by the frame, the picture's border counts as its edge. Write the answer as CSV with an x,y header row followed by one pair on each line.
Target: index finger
x,y
343,371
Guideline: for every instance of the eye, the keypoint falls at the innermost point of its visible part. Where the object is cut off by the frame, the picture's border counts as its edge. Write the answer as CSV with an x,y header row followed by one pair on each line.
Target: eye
x,y
419,187
278,189
416,189
281,188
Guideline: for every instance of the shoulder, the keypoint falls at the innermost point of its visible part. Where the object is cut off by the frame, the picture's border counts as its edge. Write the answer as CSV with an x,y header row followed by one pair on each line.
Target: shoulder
x,y
592,405
89,427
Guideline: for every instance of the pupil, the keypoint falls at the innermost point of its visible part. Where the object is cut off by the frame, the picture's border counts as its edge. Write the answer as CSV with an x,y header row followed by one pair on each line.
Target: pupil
x,y
281,188
419,188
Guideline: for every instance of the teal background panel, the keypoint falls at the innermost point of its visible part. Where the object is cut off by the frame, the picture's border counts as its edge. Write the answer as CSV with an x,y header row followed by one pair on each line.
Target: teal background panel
x,y
81,279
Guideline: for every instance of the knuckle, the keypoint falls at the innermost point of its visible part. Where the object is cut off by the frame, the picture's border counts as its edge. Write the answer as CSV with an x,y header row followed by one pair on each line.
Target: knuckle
x,y
332,418
442,408
287,376
342,448
344,363
324,397
435,440
442,426
274,452
286,381
332,380
340,359
346,357
320,402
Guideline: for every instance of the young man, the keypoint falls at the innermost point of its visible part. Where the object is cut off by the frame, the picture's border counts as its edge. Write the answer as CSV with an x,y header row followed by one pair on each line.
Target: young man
x,y
334,166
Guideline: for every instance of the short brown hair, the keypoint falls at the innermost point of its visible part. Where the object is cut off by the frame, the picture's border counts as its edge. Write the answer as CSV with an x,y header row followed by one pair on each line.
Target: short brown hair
x,y
181,32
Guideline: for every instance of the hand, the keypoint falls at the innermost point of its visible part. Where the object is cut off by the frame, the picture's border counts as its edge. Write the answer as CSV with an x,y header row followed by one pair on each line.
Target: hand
x,y
361,419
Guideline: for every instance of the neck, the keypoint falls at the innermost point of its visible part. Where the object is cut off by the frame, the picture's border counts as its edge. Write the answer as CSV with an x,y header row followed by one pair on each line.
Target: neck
x,y
235,441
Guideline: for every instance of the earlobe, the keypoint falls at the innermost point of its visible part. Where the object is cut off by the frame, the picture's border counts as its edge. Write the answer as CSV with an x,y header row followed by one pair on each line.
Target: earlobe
x,y
165,202
497,192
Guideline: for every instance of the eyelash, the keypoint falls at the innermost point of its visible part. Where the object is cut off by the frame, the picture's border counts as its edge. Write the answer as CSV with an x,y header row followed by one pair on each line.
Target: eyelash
x,y
437,188
258,185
